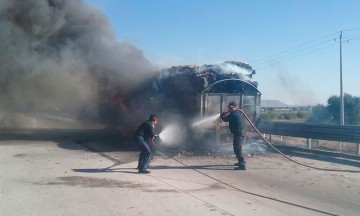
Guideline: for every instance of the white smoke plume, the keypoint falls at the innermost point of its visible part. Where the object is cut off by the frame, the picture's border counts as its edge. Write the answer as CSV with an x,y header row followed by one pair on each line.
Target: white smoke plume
x,y
62,55
231,68
300,92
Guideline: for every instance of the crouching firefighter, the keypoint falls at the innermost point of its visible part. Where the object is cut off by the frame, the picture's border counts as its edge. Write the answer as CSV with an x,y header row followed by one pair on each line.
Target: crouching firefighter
x,y
145,135
233,116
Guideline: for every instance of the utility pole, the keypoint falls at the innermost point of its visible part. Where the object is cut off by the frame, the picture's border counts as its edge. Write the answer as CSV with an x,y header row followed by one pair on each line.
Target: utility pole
x,y
340,146
341,85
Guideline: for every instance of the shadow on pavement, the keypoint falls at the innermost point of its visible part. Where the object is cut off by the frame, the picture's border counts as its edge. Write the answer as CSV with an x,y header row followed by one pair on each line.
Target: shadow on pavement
x,y
197,167
73,139
332,157
121,170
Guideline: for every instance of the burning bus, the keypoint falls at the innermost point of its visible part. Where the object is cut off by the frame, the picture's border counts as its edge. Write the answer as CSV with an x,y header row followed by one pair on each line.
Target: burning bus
x,y
189,95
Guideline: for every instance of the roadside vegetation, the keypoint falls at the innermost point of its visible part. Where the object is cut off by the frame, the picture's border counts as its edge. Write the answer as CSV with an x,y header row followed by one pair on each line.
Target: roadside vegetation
x,y
322,114
291,114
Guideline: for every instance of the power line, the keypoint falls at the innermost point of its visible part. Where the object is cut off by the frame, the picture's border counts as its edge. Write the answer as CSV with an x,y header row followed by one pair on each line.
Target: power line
x,y
296,47
352,39
281,56
352,36
297,51
293,57
354,29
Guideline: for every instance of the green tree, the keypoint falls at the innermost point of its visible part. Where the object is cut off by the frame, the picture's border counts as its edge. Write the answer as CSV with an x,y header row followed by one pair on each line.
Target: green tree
x,y
300,114
320,114
268,115
331,113
287,116
356,115
351,109
333,108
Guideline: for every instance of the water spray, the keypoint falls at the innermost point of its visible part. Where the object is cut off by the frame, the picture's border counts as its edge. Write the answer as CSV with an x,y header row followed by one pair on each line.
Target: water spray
x,y
172,135
206,120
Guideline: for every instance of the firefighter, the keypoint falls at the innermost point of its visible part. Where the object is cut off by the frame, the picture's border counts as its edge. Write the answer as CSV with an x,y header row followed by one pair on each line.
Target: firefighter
x,y
144,135
233,116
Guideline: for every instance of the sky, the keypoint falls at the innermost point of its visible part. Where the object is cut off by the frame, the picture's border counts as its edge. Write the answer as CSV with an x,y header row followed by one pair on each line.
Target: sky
x,y
294,46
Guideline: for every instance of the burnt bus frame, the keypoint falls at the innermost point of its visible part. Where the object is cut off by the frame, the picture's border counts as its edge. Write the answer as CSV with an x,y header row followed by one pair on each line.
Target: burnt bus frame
x,y
221,127
241,92
202,101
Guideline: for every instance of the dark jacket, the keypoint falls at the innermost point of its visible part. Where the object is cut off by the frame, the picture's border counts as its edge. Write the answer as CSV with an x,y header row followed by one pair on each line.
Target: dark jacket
x,y
145,130
235,121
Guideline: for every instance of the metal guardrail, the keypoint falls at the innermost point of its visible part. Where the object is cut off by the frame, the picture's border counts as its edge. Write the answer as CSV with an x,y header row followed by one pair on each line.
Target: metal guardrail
x,y
341,133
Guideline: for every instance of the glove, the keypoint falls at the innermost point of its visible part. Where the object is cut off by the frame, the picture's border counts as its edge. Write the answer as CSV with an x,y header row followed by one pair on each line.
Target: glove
x,y
225,113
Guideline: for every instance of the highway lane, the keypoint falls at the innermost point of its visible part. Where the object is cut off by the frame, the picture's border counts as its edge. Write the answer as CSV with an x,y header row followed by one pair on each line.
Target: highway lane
x,y
68,178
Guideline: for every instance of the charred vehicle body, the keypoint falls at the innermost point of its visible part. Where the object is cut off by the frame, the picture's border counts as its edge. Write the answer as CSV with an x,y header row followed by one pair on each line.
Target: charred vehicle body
x,y
185,94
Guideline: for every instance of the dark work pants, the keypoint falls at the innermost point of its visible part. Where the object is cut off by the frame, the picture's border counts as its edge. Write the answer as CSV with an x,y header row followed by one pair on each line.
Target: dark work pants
x,y
145,154
237,145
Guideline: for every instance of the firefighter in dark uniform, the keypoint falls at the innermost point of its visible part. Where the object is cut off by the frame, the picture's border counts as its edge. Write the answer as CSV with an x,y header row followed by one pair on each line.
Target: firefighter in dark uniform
x,y
233,116
144,135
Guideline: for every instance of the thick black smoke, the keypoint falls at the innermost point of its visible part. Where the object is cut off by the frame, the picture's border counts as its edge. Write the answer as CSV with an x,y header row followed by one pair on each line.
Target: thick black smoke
x,y
62,55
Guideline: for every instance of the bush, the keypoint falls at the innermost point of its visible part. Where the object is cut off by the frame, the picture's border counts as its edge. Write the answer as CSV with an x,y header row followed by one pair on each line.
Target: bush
x,y
300,115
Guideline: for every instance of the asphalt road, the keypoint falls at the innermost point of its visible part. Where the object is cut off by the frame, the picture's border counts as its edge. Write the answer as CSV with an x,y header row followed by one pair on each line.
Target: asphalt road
x,y
90,178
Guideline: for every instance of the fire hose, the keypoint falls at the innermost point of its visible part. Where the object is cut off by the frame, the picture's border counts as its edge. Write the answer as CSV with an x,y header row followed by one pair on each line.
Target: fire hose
x,y
278,151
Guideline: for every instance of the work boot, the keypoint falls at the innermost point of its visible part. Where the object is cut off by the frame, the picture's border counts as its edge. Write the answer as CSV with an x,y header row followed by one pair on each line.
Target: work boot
x,y
241,167
145,171
239,164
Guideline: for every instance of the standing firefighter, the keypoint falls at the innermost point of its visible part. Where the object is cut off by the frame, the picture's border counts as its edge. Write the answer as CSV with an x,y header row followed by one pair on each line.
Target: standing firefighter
x,y
144,135
233,116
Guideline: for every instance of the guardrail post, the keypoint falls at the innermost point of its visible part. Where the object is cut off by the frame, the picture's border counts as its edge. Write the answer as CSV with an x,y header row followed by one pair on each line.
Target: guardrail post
x,y
340,145
308,142
358,149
